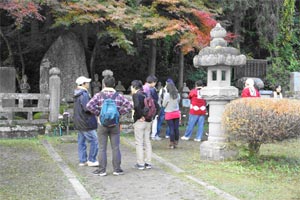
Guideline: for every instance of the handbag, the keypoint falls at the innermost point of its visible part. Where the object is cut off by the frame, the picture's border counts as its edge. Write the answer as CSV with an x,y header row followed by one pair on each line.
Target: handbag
x,y
172,115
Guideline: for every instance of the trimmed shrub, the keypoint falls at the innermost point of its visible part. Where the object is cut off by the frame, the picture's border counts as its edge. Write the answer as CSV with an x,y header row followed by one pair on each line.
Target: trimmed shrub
x,y
256,121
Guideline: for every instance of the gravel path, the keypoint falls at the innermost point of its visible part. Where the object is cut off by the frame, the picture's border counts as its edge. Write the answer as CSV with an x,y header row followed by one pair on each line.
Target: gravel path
x,y
135,184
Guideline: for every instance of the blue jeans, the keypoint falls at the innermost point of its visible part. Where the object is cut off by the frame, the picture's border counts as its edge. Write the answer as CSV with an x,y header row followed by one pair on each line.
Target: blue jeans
x,y
193,120
160,120
92,138
174,129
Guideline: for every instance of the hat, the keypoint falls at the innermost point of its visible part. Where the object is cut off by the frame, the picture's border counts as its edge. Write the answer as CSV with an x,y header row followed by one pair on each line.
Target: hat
x,y
170,81
80,80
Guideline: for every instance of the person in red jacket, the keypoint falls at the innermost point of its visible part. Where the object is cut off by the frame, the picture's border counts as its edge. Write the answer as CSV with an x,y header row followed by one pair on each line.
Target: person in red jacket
x,y
197,113
250,90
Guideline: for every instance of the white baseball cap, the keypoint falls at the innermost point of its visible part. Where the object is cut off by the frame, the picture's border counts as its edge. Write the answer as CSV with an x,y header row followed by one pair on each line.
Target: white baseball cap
x,y
80,80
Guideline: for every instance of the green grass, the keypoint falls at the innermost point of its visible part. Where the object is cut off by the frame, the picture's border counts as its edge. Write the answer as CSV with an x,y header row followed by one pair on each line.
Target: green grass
x,y
28,172
275,174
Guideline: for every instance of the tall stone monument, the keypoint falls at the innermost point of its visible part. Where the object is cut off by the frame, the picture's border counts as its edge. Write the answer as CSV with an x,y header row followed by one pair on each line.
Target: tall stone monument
x,y
218,59
67,54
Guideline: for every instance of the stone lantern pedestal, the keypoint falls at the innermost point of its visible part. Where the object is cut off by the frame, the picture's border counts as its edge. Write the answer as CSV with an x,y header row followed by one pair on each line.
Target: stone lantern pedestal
x,y
218,59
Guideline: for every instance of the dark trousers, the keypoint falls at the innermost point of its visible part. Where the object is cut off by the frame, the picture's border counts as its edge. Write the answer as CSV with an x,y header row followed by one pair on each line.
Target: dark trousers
x,y
113,133
174,129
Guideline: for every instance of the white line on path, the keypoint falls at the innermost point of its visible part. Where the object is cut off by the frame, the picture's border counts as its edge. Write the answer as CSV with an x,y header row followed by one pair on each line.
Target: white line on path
x,y
78,187
179,170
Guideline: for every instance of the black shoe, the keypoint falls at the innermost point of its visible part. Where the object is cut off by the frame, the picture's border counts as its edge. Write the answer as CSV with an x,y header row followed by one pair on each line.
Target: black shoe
x,y
98,172
118,172
148,166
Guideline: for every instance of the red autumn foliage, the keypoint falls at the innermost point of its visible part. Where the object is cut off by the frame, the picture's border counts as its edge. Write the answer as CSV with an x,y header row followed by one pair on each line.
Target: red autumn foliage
x,y
21,9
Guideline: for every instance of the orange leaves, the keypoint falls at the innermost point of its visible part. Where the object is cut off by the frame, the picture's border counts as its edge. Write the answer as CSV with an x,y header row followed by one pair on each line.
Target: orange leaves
x,y
263,120
21,9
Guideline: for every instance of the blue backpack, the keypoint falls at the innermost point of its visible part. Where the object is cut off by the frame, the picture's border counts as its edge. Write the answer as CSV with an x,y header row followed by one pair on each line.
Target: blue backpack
x,y
109,115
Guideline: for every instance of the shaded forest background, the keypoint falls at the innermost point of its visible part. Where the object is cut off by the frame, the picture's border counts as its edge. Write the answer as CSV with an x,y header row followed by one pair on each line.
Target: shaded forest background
x,y
135,38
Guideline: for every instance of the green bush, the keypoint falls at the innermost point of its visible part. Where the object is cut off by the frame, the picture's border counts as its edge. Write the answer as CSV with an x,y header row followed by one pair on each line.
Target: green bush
x,y
256,121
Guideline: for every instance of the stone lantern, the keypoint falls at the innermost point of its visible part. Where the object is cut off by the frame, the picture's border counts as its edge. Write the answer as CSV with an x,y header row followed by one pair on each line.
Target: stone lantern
x,y
218,59
185,104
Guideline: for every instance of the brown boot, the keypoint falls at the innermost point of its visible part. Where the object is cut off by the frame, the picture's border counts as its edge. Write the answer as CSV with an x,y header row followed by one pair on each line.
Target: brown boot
x,y
171,145
175,143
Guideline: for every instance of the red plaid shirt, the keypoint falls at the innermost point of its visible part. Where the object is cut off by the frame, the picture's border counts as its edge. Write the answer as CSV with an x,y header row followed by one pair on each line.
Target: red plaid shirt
x,y
94,105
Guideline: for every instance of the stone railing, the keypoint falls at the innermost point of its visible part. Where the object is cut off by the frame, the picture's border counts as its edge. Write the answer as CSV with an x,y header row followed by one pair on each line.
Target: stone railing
x,y
14,104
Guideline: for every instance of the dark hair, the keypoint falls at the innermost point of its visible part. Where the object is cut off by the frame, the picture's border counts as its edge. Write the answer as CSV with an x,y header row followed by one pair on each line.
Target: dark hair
x,y
171,88
199,83
151,79
137,84
109,81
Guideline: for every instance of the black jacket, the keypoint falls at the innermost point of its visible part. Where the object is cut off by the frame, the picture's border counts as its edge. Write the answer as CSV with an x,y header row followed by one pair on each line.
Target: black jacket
x,y
84,120
138,105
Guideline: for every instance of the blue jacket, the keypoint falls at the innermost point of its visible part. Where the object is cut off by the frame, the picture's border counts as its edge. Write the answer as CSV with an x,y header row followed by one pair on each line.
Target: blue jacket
x,y
83,119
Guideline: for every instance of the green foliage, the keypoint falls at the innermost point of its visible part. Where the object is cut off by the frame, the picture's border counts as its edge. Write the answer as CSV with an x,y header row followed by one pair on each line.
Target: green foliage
x,y
120,40
195,75
285,58
256,121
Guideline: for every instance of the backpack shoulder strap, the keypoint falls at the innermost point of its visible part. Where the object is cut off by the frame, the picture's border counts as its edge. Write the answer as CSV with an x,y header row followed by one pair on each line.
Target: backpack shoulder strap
x,y
114,95
102,94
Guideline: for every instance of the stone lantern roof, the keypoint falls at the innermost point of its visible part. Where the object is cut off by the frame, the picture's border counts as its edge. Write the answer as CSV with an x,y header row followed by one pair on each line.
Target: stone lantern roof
x,y
218,53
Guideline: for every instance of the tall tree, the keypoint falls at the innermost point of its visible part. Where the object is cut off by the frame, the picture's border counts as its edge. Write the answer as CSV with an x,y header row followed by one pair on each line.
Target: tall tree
x,y
19,11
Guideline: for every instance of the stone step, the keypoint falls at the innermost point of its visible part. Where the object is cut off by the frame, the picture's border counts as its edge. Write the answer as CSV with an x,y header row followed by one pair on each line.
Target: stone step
x,y
20,131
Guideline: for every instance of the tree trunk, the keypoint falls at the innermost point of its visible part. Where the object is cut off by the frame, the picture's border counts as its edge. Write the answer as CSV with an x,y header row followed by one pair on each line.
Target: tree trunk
x,y
21,54
85,36
254,148
237,28
93,57
34,31
10,59
151,70
181,69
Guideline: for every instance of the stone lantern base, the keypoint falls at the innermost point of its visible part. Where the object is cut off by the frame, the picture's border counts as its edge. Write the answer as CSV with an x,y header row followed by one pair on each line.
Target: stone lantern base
x,y
216,151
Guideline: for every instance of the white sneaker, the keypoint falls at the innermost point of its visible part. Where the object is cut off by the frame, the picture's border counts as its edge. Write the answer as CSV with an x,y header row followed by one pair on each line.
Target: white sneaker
x,y
157,138
167,137
93,164
197,140
184,138
83,164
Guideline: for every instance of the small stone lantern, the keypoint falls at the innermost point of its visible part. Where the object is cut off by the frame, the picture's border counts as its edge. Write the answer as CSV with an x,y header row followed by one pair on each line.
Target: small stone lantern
x,y
218,59
185,104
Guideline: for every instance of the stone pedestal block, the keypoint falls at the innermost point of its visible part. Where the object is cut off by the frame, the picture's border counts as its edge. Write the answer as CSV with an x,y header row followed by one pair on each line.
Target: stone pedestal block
x,y
217,151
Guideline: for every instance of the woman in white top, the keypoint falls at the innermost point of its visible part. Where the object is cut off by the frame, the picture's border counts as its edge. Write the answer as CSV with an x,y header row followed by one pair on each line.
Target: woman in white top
x,y
277,94
172,113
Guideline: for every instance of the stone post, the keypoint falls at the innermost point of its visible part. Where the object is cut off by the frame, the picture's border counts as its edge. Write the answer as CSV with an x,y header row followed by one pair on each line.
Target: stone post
x,y
219,60
185,103
54,91
7,85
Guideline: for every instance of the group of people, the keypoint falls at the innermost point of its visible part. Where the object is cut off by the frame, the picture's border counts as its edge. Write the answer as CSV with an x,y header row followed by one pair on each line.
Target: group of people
x,y
251,91
86,120
87,111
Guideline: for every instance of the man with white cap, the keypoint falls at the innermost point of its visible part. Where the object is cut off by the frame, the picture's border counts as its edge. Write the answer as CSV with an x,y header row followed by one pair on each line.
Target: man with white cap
x,y
86,124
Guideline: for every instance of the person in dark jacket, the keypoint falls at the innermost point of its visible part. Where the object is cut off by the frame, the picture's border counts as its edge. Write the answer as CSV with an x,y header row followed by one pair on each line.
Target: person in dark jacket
x,y
86,124
142,127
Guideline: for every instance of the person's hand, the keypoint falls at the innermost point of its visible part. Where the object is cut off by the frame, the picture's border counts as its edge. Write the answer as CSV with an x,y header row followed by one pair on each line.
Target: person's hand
x,y
142,119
